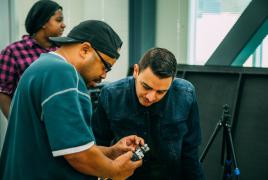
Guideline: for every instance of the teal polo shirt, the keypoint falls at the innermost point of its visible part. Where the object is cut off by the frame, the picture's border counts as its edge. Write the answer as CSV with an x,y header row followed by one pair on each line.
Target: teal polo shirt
x,y
49,118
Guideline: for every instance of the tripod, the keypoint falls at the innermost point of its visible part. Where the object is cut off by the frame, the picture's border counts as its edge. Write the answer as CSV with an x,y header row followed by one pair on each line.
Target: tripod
x,y
227,146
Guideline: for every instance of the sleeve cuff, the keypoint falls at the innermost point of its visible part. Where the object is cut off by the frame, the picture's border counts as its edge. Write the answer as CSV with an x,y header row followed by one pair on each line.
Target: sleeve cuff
x,y
72,150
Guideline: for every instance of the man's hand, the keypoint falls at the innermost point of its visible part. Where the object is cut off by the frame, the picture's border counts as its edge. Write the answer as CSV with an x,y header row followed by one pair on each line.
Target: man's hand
x,y
125,167
128,143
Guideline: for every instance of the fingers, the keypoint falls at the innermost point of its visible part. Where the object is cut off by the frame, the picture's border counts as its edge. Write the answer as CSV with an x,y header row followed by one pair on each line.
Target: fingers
x,y
139,140
126,165
137,163
128,155
129,148
125,157
133,139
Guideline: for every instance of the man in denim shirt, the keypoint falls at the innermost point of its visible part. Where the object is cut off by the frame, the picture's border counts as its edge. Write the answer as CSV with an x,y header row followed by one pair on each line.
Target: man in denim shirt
x,y
160,108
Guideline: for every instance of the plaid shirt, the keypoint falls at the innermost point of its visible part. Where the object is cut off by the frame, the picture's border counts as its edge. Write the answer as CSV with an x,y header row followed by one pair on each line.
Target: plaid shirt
x,y
14,60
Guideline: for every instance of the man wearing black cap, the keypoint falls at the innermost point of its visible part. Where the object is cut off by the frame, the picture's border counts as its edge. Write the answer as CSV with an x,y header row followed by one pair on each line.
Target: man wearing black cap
x,y
49,134
44,19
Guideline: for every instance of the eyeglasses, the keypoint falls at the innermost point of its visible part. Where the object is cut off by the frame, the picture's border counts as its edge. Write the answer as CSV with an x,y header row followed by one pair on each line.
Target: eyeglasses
x,y
108,66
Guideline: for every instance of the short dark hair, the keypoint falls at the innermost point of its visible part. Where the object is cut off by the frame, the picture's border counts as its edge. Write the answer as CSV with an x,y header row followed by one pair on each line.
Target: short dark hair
x,y
162,62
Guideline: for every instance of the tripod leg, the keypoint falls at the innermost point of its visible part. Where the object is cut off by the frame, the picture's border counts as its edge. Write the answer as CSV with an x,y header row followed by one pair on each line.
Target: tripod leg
x,y
227,172
230,156
223,147
232,153
210,141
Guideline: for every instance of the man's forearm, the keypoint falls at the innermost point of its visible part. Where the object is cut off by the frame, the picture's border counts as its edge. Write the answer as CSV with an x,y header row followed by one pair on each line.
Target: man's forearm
x,y
5,102
92,162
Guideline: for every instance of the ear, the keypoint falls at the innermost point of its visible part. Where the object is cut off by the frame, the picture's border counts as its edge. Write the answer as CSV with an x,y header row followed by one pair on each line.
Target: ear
x,y
136,71
85,49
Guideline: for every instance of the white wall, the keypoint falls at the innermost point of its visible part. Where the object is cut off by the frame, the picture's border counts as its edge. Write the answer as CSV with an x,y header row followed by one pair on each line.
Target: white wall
x,y
172,27
4,40
4,14
115,13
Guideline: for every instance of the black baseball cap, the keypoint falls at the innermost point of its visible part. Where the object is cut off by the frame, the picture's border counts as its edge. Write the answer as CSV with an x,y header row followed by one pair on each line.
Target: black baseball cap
x,y
98,33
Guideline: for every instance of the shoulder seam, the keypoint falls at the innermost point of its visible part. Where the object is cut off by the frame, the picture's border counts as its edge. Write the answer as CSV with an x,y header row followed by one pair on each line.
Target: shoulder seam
x,y
62,92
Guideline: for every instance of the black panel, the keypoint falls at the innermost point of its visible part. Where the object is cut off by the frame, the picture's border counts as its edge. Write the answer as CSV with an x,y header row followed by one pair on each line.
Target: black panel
x,y
246,92
213,91
252,128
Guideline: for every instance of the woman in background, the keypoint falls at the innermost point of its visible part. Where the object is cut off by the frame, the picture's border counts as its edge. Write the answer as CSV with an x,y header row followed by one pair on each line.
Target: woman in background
x,y
44,20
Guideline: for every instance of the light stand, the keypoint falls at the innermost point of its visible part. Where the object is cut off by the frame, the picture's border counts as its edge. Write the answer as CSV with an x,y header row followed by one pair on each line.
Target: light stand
x,y
227,146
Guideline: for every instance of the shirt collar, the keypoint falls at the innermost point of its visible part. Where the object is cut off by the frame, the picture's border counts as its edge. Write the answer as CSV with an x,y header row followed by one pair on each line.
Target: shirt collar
x,y
56,54
31,42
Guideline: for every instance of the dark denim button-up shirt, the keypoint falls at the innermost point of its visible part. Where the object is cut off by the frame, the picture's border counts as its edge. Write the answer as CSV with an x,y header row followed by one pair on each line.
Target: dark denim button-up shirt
x,y
170,127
